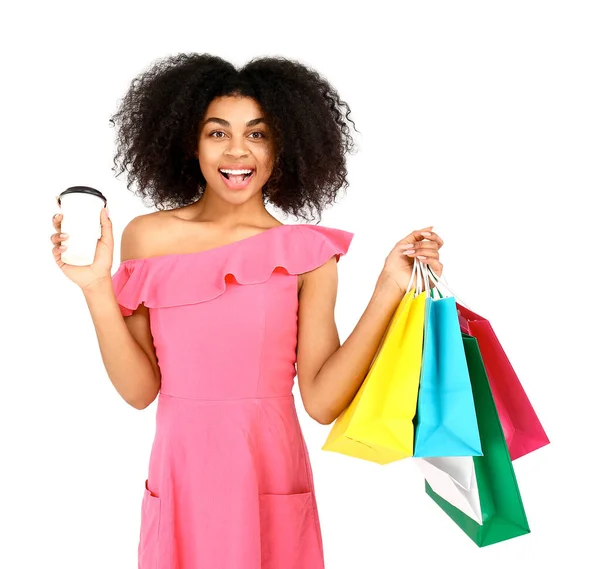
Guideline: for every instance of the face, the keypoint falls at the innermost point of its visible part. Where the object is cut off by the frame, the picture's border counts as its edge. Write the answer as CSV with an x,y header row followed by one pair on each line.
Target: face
x,y
235,150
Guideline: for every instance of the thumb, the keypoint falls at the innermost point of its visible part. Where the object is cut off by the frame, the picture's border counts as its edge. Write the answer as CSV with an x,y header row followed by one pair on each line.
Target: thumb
x,y
105,223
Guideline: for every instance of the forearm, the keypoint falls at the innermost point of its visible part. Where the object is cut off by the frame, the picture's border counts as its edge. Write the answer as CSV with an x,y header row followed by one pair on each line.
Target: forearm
x,y
126,363
341,376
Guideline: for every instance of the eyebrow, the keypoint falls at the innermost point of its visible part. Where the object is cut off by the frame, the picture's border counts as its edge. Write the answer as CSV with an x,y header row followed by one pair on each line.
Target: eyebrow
x,y
223,122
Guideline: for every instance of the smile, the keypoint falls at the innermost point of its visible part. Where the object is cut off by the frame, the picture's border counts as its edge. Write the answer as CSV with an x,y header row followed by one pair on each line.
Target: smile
x,y
236,179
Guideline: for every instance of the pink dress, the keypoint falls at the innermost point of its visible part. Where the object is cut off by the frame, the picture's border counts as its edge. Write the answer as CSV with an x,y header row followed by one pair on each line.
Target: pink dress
x,y
230,484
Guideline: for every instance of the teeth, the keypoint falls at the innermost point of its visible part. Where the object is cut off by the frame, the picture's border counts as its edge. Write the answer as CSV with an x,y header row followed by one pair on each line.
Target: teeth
x,y
236,172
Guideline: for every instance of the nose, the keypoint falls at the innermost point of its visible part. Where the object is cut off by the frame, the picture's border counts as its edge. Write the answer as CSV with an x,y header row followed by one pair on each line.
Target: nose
x,y
237,147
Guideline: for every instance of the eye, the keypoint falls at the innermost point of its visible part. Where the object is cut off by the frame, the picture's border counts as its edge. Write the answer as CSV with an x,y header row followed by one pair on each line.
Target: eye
x,y
214,132
260,134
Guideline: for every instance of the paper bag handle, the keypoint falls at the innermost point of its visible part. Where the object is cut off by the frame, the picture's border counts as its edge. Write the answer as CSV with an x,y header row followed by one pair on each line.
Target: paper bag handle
x,y
441,280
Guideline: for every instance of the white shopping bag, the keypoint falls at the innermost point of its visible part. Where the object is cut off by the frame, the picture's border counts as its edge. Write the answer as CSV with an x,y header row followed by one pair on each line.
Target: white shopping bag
x,y
453,478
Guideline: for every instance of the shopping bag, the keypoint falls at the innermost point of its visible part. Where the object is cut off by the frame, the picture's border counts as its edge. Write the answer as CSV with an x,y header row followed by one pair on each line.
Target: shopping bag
x,y
446,424
502,513
454,479
378,424
522,428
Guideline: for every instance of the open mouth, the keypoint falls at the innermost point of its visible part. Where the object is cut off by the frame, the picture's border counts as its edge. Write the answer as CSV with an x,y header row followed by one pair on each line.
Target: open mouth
x,y
236,175
237,179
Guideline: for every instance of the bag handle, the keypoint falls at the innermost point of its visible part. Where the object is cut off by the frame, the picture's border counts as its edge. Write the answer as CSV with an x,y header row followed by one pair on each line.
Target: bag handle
x,y
441,280
412,278
416,278
427,278
421,275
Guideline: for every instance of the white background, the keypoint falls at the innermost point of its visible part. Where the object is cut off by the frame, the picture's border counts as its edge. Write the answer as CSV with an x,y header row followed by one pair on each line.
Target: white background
x,y
481,118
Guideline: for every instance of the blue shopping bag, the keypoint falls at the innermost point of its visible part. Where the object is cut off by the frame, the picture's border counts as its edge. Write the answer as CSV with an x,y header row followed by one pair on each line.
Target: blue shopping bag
x,y
445,423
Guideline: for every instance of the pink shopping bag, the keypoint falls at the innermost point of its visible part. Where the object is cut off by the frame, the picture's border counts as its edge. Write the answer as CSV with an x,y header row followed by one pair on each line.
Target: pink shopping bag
x,y
522,428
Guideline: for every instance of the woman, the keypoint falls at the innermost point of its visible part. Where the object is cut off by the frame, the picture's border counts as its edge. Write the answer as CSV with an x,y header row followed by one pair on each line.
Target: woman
x,y
216,305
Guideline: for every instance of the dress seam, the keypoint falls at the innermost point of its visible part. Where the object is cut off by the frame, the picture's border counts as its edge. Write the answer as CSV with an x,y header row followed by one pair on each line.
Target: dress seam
x,y
262,341
227,400
312,490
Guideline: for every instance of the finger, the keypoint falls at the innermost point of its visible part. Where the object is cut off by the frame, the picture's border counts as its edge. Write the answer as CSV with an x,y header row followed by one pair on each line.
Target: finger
x,y
432,262
106,225
430,259
426,248
413,237
57,252
419,234
56,221
58,238
425,256
426,245
431,236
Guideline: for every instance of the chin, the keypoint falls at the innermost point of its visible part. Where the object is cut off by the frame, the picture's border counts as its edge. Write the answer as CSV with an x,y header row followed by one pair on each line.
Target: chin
x,y
235,196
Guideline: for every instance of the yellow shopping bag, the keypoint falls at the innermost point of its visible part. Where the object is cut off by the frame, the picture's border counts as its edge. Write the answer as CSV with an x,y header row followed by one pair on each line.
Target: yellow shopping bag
x,y
378,423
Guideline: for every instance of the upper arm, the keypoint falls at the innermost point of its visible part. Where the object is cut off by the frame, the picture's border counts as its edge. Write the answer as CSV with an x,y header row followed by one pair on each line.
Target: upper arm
x,y
318,336
136,238
134,245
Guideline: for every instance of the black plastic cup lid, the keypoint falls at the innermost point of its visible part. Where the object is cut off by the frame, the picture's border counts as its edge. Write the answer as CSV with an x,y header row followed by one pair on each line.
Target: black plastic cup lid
x,y
82,190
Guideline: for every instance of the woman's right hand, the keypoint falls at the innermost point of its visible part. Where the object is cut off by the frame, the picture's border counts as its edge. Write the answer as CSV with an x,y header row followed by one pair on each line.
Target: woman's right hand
x,y
99,270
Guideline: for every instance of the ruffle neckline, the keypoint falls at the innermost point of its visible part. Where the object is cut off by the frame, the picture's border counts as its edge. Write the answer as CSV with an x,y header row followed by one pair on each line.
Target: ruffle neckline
x,y
188,278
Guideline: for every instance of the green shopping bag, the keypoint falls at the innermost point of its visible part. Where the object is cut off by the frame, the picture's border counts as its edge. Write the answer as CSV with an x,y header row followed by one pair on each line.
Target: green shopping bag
x,y
502,512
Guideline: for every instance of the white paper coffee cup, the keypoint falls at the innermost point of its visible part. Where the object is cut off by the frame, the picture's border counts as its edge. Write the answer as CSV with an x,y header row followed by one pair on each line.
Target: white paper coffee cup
x,y
81,207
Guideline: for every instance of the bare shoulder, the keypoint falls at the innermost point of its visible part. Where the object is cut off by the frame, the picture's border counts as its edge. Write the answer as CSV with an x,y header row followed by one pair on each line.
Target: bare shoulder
x,y
175,231
141,236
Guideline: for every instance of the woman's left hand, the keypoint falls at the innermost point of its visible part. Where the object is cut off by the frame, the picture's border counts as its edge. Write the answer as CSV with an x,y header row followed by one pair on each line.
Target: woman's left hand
x,y
422,244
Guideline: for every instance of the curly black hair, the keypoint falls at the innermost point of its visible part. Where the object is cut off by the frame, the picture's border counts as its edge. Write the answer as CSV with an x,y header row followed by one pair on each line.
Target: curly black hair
x,y
159,120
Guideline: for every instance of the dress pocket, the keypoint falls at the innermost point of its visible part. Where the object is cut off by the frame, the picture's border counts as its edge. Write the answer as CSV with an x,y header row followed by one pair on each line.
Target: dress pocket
x,y
289,535
148,544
